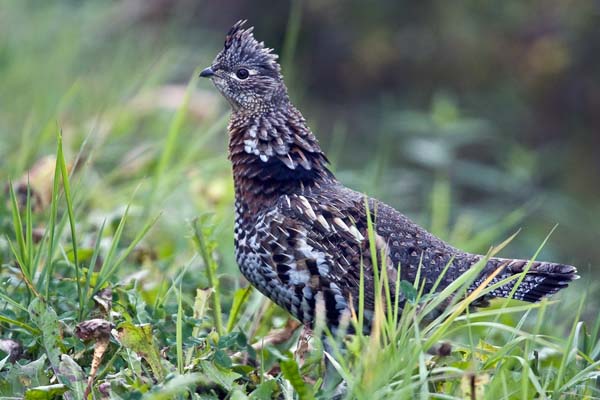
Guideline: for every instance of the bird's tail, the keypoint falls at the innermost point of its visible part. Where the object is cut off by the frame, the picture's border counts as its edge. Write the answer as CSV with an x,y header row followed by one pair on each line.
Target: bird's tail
x,y
541,279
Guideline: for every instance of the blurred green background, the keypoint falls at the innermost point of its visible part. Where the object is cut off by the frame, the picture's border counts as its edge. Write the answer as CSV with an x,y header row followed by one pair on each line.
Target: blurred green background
x,y
473,118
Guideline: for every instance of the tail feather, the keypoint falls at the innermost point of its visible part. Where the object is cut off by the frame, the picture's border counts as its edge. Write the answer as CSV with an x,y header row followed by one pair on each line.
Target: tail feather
x,y
542,279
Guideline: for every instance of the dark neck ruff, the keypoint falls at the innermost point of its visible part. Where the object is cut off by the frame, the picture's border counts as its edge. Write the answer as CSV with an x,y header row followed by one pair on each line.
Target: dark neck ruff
x,y
274,153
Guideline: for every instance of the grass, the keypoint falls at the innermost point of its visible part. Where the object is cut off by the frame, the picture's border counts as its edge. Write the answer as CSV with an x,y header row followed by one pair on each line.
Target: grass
x,y
169,340
118,209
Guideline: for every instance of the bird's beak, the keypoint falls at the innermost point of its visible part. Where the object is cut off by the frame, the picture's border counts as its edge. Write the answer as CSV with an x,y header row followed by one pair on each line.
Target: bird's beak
x,y
207,72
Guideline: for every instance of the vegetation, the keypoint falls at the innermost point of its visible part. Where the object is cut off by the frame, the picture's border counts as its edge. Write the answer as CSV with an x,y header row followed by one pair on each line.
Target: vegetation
x,y
117,268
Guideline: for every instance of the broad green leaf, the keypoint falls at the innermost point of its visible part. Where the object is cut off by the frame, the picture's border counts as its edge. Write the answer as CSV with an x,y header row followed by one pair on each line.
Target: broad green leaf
x,y
72,373
237,394
265,391
222,377
222,359
178,385
233,341
48,392
290,371
139,338
408,290
46,320
3,361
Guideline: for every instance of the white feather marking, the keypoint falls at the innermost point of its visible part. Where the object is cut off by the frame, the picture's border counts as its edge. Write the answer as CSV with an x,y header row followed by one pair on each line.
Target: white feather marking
x,y
323,222
279,245
341,224
309,211
291,164
356,233
287,200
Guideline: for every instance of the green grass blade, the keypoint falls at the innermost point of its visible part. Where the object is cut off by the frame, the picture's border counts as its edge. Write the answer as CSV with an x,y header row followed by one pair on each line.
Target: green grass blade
x,y
179,332
12,302
51,230
108,271
92,265
238,300
28,282
569,351
30,266
18,227
34,331
68,198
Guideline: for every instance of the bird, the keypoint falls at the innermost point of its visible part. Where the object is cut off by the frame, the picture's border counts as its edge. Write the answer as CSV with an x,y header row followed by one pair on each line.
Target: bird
x,y
305,240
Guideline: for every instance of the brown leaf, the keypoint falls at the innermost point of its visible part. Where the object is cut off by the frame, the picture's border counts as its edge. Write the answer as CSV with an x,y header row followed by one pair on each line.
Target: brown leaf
x,y
104,299
96,328
99,330
12,348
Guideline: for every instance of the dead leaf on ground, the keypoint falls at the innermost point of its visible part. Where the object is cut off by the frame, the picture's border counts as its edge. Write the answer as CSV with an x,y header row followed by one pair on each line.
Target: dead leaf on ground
x,y
12,348
104,300
99,330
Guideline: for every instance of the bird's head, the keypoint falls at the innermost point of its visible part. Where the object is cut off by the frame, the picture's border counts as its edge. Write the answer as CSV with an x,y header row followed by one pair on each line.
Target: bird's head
x,y
247,73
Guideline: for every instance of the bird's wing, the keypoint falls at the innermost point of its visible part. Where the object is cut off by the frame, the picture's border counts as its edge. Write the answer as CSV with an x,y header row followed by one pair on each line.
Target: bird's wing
x,y
314,245
318,243
416,252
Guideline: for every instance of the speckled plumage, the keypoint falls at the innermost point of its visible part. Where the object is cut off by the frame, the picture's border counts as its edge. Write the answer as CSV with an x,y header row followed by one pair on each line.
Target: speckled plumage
x,y
300,235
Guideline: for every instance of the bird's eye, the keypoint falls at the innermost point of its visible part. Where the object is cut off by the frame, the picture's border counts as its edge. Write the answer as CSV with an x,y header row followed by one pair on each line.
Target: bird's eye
x,y
242,73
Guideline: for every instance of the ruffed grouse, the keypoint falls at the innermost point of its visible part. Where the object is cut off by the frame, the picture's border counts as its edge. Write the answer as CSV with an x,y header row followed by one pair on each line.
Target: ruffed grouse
x,y
300,235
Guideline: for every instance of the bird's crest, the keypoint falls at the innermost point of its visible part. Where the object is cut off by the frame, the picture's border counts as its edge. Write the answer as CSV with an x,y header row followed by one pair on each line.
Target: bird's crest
x,y
237,29
241,47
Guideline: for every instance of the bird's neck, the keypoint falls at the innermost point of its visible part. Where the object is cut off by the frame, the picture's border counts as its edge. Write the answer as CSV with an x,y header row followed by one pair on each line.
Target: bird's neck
x,y
274,153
